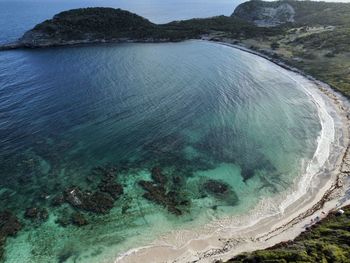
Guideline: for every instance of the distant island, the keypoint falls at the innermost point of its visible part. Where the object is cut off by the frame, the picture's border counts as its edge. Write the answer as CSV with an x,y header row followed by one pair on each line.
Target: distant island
x,y
313,37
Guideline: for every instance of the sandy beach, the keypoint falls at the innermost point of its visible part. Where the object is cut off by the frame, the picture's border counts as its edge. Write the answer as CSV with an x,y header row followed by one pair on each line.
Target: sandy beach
x,y
321,190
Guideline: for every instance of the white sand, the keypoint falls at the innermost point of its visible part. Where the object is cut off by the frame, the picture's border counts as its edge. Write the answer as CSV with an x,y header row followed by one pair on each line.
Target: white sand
x,y
321,190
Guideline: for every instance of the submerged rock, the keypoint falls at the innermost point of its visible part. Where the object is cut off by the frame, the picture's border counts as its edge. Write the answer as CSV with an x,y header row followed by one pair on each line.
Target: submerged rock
x,y
220,190
216,187
2,249
96,202
247,174
158,194
107,173
63,219
37,214
9,224
75,197
158,176
114,189
78,219
58,200
99,202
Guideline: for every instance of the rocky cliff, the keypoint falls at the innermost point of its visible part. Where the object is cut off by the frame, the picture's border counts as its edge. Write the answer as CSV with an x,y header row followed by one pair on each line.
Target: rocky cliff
x,y
266,13
311,13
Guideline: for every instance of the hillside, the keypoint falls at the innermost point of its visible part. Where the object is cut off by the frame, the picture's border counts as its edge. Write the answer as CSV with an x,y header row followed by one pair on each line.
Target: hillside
x,y
96,25
300,13
87,24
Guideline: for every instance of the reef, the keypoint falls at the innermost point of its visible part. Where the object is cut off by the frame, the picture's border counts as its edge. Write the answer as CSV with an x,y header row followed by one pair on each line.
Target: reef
x,y
157,191
96,202
221,191
9,226
78,219
36,214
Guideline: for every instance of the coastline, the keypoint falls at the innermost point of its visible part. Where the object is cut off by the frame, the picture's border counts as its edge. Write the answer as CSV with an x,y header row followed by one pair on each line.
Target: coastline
x,y
223,240
88,42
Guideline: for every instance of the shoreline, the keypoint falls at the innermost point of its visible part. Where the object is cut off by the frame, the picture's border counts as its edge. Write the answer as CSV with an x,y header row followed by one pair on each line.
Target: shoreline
x,y
228,240
86,43
224,243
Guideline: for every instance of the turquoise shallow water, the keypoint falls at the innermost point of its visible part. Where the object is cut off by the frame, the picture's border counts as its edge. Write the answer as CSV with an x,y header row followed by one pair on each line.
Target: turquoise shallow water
x,y
212,130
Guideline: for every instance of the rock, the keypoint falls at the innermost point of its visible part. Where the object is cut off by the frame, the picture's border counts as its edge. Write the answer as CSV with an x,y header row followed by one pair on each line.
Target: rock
x,y
114,189
157,193
9,224
247,174
1,252
58,200
216,187
107,178
78,219
99,202
74,196
340,212
96,202
35,213
64,218
266,14
221,191
151,186
158,176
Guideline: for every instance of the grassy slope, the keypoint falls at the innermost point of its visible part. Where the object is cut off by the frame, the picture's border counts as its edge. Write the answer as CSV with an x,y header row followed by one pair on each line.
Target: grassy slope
x,y
306,12
320,51
327,241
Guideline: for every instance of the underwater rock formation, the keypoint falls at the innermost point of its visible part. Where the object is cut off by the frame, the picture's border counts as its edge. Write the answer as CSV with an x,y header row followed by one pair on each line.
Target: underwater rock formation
x,y
9,226
215,187
115,190
36,214
220,190
78,219
157,192
97,202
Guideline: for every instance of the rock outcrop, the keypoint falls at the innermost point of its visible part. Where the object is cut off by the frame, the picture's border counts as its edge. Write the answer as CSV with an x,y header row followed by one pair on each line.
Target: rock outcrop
x,y
301,13
266,14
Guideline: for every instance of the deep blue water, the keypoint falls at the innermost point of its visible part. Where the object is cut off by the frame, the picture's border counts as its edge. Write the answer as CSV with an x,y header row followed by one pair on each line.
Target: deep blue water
x,y
18,16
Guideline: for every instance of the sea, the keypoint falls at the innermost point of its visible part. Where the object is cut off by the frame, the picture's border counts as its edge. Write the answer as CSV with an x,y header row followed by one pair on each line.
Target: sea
x,y
118,144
